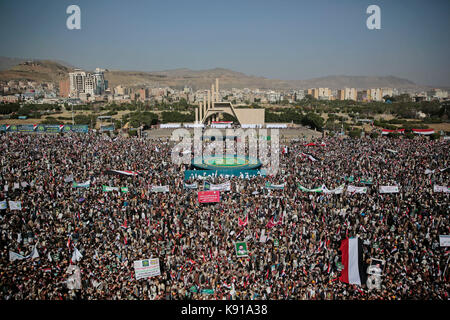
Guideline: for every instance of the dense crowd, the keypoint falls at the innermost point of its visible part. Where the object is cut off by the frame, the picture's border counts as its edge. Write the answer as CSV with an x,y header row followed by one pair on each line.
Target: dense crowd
x,y
195,242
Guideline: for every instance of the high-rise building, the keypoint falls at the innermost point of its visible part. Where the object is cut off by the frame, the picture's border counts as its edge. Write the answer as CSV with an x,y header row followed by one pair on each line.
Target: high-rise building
x,y
76,79
82,82
89,84
375,94
320,93
100,83
142,94
362,95
387,92
350,94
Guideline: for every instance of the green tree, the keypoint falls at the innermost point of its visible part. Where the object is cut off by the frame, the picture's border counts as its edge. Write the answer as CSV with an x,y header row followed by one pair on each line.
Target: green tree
x,y
313,120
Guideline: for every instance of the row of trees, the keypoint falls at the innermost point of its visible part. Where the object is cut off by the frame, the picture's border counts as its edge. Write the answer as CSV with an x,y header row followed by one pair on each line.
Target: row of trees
x,y
310,119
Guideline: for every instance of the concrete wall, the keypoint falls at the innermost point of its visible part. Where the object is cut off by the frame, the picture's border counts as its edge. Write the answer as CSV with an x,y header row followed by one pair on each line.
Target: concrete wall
x,y
250,116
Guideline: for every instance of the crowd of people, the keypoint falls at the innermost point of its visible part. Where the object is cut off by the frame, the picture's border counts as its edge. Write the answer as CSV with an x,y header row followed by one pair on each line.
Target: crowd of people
x,y
195,242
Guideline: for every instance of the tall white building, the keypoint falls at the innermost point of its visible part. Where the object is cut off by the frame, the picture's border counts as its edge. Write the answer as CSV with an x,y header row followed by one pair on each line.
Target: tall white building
x,y
76,79
387,92
375,94
88,83
350,94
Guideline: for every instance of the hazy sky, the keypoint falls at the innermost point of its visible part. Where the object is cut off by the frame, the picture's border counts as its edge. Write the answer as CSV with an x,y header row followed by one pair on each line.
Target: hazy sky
x,y
275,39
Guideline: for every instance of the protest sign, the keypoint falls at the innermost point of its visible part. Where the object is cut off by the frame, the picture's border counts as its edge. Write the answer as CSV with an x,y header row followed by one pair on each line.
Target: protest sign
x,y
444,240
444,189
319,189
74,280
160,189
388,189
226,186
191,186
208,196
85,184
241,249
146,268
107,188
352,189
338,190
15,205
274,186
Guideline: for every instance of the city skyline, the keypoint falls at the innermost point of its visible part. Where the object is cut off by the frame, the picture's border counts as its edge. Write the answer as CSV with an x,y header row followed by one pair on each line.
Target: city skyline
x,y
286,40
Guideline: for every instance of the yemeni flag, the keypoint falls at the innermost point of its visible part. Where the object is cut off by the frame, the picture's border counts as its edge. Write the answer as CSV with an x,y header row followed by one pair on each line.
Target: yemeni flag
x,y
387,131
352,259
125,173
243,223
423,131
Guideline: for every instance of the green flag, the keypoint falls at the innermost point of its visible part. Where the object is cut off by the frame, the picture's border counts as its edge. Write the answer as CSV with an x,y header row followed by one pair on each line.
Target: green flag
x,y
241,249
207,291
368,181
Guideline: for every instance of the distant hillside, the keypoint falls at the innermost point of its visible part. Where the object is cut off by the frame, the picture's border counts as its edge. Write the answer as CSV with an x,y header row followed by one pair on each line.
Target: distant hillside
x,y
37,70
202,79
54,71
7,63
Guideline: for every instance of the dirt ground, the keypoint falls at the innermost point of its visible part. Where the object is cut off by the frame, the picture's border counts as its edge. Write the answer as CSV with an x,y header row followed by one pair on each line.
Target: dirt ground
x,y
284,134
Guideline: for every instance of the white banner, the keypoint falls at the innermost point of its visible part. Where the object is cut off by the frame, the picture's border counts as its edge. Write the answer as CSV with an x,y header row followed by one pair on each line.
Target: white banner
x,y
444,240
393,151
221,125
251,126
226,186
193,125
76,256
388,189
276,126
146,268
353,189
263,236
74,280
15,205
15,256
338,190
170,125
444,189
191,186
160,189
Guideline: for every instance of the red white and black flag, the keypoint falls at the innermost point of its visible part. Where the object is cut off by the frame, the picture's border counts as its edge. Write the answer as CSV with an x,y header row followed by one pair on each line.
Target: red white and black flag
x,y
352,258
423,131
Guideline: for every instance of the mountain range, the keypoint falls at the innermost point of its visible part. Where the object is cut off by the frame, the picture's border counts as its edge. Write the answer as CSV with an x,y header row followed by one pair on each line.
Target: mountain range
x,y
55,70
